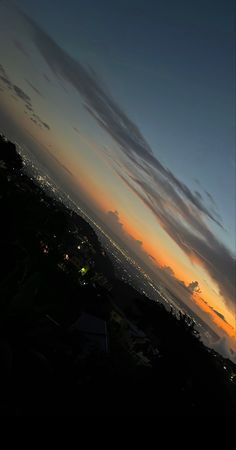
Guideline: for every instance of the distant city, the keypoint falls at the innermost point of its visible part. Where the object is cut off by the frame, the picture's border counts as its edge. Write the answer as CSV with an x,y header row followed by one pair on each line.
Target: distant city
x,y
127,269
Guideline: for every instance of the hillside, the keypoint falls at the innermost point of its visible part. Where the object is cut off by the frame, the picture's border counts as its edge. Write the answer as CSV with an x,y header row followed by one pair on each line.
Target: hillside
x,y
74,339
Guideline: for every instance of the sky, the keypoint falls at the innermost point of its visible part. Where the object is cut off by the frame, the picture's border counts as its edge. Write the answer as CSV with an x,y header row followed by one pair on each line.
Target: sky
x,y
133,103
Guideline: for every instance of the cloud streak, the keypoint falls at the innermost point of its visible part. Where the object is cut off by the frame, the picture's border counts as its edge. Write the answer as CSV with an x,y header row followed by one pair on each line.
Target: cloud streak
x,y
19,94
34,88
21,48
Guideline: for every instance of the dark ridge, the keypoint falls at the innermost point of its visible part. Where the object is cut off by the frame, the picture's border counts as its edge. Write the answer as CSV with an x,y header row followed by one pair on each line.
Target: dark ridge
x,y
74,339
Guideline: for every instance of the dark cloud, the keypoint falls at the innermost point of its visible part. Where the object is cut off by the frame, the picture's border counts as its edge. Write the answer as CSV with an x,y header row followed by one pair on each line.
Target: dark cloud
x,y
22,95
2,70
29,107
38,121
216,312
34,88
194,287
181,212
4,78
18,93
34,120
198,195
191,287
219,315
153,258
209,196
21,48
114,221
168,270
67,170
5,81
45,125
47,78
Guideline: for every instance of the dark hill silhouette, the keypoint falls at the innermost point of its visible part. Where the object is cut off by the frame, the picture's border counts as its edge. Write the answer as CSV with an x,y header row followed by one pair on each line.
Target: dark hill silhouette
x,y
54,271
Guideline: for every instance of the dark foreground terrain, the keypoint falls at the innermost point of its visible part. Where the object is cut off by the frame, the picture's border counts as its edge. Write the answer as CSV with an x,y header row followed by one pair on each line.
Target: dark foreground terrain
x,y
75,340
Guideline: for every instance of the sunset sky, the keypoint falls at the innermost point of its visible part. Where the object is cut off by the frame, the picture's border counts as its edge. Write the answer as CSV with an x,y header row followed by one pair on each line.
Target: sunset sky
x,y
135,102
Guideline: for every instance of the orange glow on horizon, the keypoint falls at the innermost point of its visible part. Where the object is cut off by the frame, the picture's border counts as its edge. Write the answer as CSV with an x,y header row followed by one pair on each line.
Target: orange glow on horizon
x,y
98,195
181,275
160,254
227,328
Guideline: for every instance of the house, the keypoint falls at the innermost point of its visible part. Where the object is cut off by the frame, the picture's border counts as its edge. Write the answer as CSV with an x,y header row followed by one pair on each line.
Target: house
x,y
94,330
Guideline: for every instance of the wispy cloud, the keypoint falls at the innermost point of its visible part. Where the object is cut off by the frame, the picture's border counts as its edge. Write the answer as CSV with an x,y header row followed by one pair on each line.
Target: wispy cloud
x,y
4,79
34,88
21,48
20,94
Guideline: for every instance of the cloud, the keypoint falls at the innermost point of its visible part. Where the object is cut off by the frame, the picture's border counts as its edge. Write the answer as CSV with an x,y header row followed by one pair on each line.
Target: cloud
x,y
20,94
168,270
4,78
153,258
210,198
38,121
194,287
21,48
219,315
16,90
47,78
198,195
190,288
34,120
29,107
34,88
2,71
114,221
181,212
45,125
67,170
